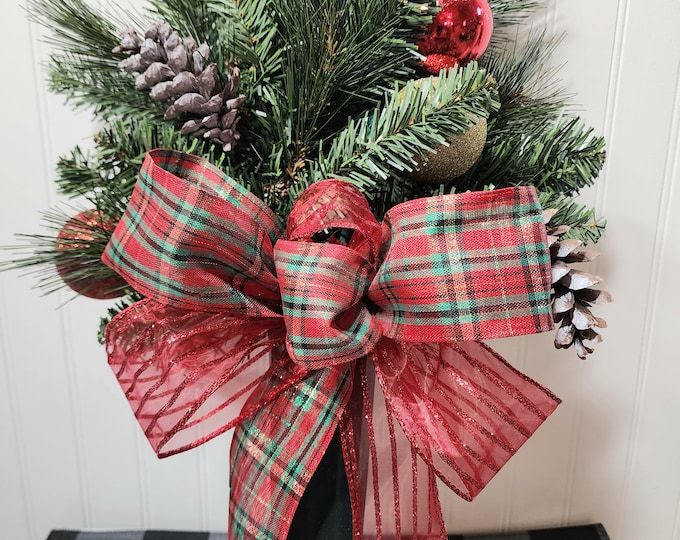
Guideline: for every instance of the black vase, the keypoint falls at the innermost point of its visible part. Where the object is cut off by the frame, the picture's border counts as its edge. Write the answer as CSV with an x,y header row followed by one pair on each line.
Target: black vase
x,y
324,512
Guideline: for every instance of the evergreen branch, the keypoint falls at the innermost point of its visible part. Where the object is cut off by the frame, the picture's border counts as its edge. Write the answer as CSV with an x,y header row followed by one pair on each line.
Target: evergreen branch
x,y
248,31
189,18
84,69
511,12
525,71
339,53
54,261
206,22
562,155
526,114
107,91
384,143
107,174
584,223
532,140
77,172
76,29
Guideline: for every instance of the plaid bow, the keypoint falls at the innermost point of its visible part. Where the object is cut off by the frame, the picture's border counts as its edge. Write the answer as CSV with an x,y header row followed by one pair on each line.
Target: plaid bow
x,y
375,331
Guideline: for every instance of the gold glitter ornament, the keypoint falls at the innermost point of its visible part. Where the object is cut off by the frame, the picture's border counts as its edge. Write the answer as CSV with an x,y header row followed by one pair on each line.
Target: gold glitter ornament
x,y
454,160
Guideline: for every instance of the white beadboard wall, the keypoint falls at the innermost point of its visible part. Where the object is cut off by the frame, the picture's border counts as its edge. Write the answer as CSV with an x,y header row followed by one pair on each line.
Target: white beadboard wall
x,y
71,455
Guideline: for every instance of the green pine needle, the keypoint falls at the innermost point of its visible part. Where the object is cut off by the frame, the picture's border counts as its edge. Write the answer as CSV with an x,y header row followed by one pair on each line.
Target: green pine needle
x,y
562,155
78,256
511,12
84,68
584,223
415,119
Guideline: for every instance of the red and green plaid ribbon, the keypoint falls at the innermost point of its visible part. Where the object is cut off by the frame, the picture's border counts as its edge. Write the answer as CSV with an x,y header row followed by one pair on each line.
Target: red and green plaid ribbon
x,y
375,332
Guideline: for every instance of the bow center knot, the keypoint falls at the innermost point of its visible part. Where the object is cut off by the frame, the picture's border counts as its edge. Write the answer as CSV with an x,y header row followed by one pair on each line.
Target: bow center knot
x,y
324,268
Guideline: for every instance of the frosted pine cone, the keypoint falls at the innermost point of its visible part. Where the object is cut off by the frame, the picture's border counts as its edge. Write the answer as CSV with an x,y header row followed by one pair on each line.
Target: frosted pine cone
x,y
177,70
573,293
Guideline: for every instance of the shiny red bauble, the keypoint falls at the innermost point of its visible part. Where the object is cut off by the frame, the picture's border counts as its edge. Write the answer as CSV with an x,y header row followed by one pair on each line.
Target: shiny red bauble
x,y
459,33
80,233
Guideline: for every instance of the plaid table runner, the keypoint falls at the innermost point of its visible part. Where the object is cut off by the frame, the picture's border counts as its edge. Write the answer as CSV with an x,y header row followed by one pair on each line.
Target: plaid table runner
x,y
587,532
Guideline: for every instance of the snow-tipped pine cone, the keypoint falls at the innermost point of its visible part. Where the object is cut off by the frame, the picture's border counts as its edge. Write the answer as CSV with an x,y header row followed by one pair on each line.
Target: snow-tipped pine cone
x,y
573,293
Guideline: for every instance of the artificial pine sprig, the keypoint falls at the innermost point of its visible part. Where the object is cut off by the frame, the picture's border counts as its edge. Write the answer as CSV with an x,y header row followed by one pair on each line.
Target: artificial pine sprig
x,y
511,12
197,20
562,155
74,259
525,71
83,68
77,29
584,224
109,171
417,117
534,138
248,33
339,55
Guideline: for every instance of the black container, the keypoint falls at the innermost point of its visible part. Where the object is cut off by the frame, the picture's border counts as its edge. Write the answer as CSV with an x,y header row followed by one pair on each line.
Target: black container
x,y
324,512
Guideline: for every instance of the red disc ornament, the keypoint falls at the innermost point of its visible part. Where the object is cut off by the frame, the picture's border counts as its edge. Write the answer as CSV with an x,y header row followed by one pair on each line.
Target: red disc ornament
x,y
459,33
81,232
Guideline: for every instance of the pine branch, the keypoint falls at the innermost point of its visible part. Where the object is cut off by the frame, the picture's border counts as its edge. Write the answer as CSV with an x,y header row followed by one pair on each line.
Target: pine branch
x,y
584,223
562,155
195,19
532,140
107,92
240,31
248,31
339,53
107,174
524,71
511,12
76,29
79,258
383,145
76,172
84,69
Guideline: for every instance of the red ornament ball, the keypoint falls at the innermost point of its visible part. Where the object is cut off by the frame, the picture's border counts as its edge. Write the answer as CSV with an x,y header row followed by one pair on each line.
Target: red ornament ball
x,y
459,33
82,232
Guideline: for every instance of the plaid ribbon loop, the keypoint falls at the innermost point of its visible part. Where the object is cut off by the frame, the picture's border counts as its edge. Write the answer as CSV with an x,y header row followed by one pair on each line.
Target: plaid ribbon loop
x,y
339,322
324,285
322,289
454,268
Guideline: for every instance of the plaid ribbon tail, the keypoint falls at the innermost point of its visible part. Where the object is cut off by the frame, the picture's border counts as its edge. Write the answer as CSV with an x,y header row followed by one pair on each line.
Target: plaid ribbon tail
x,y
275,453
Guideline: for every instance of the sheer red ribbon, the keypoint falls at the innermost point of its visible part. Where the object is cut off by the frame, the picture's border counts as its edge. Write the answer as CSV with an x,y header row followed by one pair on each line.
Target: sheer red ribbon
x,y
356,343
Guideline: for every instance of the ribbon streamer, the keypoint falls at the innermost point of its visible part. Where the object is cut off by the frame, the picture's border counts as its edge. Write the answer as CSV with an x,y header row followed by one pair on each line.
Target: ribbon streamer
x,y
288,339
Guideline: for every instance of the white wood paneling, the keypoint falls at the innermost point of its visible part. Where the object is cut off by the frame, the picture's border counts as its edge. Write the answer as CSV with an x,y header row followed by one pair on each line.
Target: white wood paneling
x,y
70,451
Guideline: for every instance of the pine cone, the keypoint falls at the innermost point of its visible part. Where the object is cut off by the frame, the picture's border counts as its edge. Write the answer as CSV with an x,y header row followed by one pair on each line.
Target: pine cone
x,y
175,69
573,295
